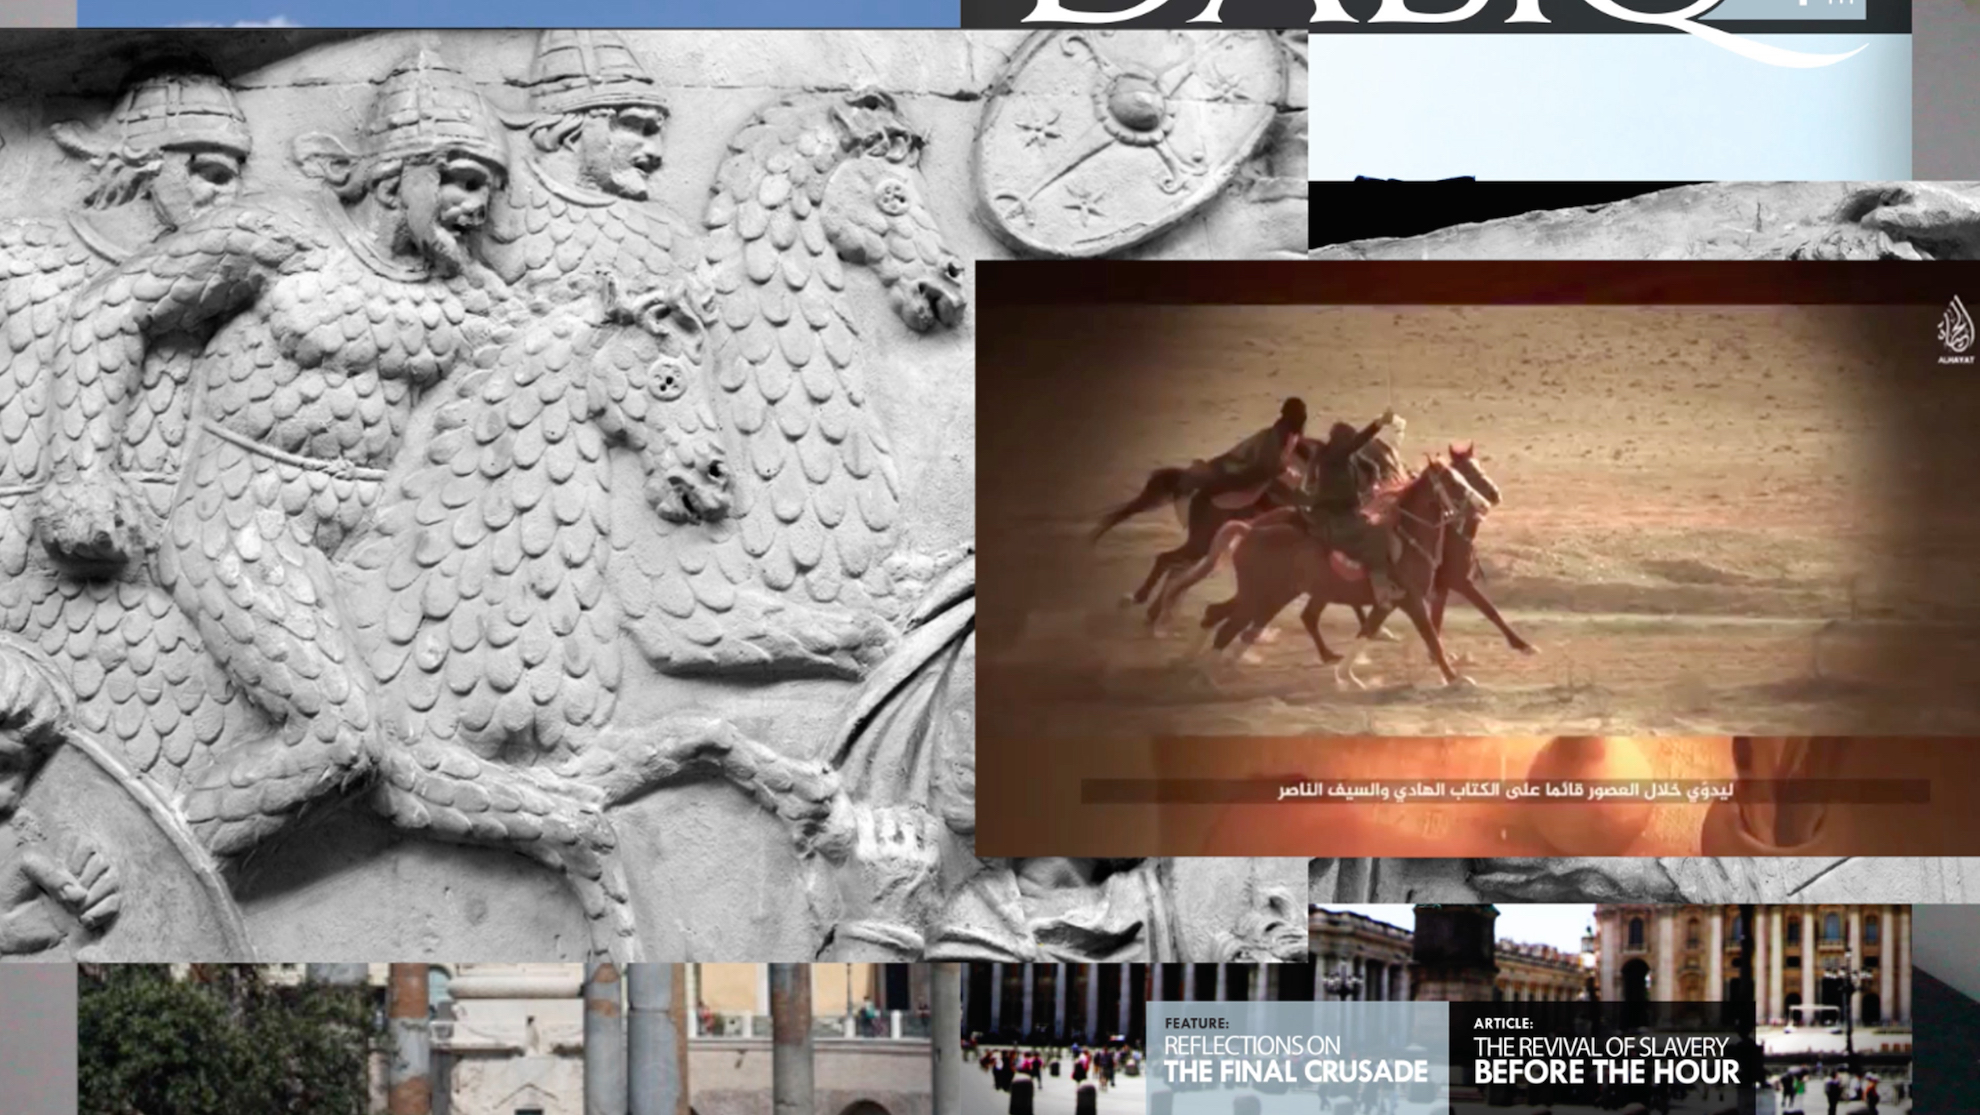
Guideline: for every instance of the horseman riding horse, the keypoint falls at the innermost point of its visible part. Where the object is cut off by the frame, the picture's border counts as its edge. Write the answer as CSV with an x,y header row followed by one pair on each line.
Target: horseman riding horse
x,y
1256,476
1423,529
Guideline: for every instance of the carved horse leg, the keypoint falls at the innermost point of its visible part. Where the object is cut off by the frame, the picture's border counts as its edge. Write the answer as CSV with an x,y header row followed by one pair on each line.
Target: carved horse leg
x,y
456,795
623,762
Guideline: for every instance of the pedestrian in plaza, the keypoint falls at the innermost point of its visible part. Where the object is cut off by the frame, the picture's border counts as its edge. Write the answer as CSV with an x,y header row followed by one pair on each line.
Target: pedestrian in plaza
x,y
1835,1092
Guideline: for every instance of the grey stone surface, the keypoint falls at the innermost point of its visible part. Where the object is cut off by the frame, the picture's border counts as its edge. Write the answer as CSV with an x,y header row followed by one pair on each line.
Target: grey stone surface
x,y
1719,220
482,495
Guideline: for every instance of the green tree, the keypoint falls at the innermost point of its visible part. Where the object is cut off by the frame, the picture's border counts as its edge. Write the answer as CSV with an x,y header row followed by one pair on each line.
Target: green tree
x,y
222,1041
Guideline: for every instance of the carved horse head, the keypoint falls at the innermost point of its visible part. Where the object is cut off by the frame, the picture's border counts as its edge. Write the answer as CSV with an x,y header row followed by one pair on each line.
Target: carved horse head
x,y
851,162
647,387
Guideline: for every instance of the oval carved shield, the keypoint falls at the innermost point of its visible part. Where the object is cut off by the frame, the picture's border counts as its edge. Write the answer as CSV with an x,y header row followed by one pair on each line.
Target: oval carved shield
x,y
1095,140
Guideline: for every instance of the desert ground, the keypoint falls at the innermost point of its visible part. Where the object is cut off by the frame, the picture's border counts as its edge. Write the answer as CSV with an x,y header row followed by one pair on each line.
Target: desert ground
x,y
1716,519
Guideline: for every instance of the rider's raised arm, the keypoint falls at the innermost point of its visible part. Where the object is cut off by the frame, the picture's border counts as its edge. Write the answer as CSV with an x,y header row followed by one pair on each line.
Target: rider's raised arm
x,y
1366,435
201,273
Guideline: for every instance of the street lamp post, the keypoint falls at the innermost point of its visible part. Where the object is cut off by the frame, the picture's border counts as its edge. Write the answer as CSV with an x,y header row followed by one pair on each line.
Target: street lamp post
x,y
1852,978
1343,982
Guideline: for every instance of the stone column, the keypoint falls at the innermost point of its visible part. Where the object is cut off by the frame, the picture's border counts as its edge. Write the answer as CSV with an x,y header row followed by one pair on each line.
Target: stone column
x,y
604,1041
1610,934
996,996
409,1085
1059,1003
1715,960
1261,982
1856,959
1321,966
1904,966
656,1039
945,1021
791,1090
1808,960
1030,986
1777,970
1886,954
1223,983
1404,969
1127,1003
1761,963
1666,941
1093,998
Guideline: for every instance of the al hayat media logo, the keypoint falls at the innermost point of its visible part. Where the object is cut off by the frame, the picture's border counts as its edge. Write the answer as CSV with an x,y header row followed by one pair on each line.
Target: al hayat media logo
x,y
1801,15
1956,333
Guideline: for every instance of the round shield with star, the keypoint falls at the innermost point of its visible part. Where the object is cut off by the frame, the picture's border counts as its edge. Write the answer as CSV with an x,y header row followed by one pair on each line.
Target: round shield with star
x,y
1095,140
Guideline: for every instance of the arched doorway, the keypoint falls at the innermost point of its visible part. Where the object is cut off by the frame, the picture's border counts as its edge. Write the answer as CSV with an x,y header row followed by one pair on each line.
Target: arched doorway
x,y
1872,1009
1635,993
1793,1001
864,1107
1636,982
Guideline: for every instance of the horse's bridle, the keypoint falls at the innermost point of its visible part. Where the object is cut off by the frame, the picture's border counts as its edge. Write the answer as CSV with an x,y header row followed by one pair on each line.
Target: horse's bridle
x,y
1449,508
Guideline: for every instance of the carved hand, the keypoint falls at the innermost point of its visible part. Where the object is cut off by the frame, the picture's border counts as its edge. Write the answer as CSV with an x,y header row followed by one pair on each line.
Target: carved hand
x,y
27,924
886,879
90,888
93,523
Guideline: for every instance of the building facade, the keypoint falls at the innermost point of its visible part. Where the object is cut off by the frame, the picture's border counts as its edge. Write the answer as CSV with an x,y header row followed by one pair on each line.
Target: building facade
x,y
1344,943
1699,954
1377,957
1102,1002
509,1039
1540,974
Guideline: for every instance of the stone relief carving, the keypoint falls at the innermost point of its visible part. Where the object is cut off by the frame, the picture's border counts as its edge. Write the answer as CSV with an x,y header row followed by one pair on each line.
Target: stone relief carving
x,y
401,468
1719,220
1165,123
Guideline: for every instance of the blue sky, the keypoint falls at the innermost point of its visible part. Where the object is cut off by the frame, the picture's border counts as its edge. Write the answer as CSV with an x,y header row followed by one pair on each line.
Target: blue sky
x,y
521,13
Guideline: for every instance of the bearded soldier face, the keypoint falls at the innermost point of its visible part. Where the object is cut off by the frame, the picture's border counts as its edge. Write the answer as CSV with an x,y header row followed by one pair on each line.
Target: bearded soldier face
x,y
190,182
619,151
445,202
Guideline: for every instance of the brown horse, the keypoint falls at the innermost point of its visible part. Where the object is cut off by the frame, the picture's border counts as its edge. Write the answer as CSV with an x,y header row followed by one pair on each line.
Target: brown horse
x,y
1205,515
1460,571
1277,561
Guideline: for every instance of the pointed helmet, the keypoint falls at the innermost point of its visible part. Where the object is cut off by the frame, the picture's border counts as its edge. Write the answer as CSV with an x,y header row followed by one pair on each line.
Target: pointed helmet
x,y
426,107
181,108
576,70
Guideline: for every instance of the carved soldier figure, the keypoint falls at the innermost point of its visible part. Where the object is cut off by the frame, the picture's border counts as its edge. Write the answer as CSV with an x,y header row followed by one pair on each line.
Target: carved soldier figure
x,y
177,141
580,207
174,148
578,204
329,315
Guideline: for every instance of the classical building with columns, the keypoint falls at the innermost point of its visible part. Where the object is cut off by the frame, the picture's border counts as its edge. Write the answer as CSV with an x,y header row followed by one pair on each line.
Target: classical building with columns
x,y
1540,974
1380,954
1693,954
1097,1002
